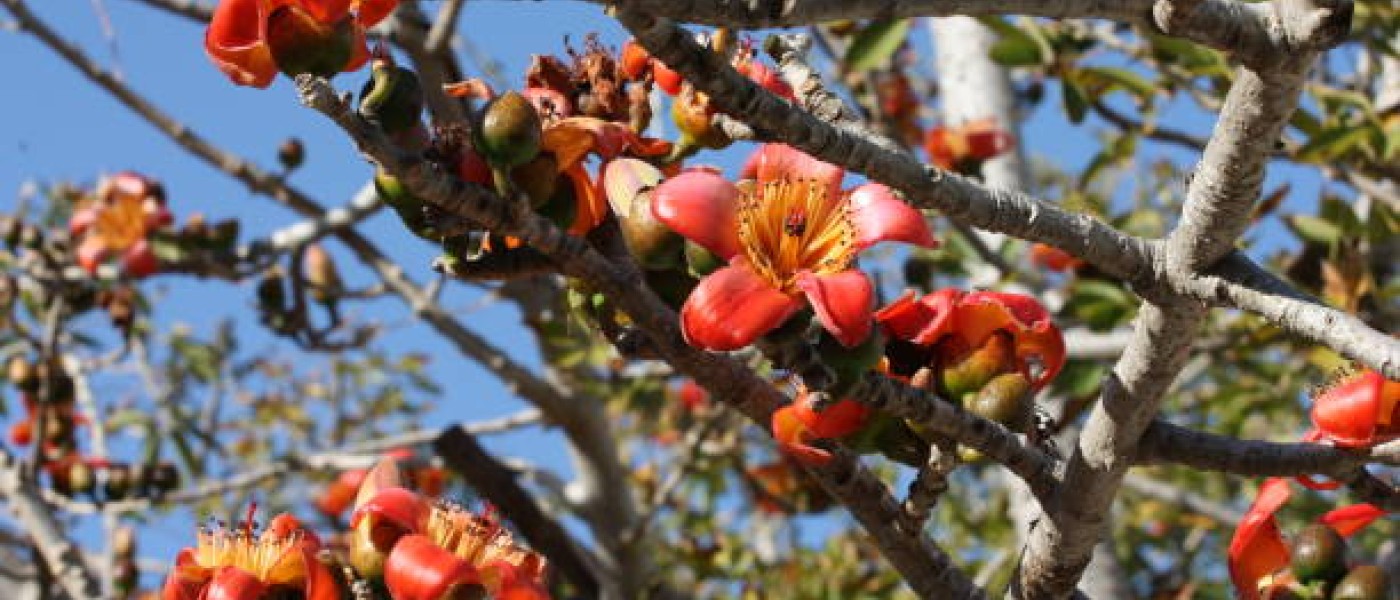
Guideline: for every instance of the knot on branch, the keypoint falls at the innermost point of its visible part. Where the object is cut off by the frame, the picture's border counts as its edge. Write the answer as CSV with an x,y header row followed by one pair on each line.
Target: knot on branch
x,y
1314,24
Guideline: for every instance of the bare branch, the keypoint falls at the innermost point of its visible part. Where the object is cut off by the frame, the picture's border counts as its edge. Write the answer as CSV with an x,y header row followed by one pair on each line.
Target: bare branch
x,y
1165,442
193,10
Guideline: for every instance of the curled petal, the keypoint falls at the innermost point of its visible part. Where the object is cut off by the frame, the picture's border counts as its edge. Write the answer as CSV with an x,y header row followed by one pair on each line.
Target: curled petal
x,y
417,569
233,583
326,11
921,321
778,162
187,579
1257,549
794,439
590,205
1036,337
1351,411
1347,520
320,583
838,420
842,301
770,80
880,216
392,511
702,206
732,307
666,78
236,41
140,260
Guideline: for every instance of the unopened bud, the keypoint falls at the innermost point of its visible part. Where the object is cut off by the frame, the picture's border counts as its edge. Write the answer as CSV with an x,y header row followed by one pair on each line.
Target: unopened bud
x,y
1005,399
508,131
967,371
319,269
393,97
291,154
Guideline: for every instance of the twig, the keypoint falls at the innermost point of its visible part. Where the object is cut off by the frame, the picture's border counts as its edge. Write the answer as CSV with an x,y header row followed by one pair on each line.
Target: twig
x,y
193,10
64,560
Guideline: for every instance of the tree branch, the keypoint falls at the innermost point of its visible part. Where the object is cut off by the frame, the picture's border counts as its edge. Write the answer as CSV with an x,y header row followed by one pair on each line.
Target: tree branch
x,y
61,555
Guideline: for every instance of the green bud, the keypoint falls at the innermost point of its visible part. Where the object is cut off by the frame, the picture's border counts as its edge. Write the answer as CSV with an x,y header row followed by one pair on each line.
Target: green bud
x,y
1005,399
966,371
1366,582
407,206
508,131
1319,554
393,97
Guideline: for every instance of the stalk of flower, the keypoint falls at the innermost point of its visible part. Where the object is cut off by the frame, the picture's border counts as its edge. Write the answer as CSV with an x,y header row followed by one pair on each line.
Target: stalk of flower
x,y
241,564
426,550
117,221
251,40
1263,564
790,236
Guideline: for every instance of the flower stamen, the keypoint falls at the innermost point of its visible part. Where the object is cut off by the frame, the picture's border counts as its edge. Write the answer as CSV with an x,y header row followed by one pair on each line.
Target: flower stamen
x,y
788,226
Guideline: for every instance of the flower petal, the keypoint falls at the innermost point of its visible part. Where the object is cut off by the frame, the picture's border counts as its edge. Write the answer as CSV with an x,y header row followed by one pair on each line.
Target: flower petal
x,y
1257,549
794,438
140,260
1347,412
838,420
394,510
236,41
880,216
776,162
374,11
233,583
732,307
417,569
1350,519
701,205
590,205
843,302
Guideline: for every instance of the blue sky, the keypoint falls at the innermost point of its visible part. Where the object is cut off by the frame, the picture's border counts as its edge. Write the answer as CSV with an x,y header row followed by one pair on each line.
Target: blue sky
x,y
55,126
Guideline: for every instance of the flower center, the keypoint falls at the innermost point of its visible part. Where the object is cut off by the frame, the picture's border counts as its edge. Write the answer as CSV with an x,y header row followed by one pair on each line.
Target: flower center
x,y
257,555
479,540
790,226
121,222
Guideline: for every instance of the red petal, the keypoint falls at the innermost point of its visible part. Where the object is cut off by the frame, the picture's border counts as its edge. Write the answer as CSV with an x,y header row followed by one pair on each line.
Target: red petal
x,y
701,205
793,438
417,569
1025,318
923,321
236,41
1350,519
732,307
837,421
880,216
666,78
771,81
843,302
590,206
91,253
777,162
82,220
1257,549
374,11
326,11
320,583
404,509
1347,413
232,583
139,260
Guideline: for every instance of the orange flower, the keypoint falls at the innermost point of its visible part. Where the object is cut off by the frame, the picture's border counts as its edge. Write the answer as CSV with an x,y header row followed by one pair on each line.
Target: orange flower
x,y
1359,411
251,40
240,564
1258,553
117,222
434,549
963,148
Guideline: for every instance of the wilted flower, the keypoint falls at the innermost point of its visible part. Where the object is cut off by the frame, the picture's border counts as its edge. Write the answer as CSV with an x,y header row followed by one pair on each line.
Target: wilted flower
x,y
965,147
1259,556
791,236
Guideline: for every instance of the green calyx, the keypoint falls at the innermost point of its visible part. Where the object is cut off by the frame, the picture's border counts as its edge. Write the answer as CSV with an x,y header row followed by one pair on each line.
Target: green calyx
x,y
301,44
393,97
508,131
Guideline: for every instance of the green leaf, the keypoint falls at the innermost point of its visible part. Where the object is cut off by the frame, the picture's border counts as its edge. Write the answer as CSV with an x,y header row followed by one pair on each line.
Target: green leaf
x,y
1124,79
1314,229
1076,100
875,44
1017,51
1332,143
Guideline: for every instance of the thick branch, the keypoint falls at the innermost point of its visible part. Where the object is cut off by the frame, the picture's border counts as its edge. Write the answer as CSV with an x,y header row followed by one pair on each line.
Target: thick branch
x,y
1165,442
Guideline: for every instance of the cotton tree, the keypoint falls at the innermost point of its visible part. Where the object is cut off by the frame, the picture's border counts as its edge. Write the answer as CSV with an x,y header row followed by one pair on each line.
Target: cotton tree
x,y
1164,369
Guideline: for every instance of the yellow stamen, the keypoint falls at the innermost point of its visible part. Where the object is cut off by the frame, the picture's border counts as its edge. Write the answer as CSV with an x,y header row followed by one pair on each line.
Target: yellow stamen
x,y
220,546
789,226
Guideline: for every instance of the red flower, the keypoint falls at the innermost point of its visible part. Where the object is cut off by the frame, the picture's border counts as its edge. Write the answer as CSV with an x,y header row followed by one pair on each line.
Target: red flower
x,y
1360,411
1258,551
790,236
797,425
968,320
251,40
434,548
240,564
125,210
963,148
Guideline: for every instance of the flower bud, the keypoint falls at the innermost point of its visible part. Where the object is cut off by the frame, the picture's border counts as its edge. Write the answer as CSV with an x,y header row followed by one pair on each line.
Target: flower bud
x,y
967,371
539,178
165,478
124,542
320,272
118,483
1319,554
302,44
508,131
80,477
21,373
694,118
1365,582
272,291
1005,399
393,97
628,183
407,206
291,153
